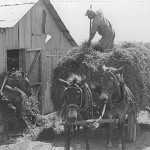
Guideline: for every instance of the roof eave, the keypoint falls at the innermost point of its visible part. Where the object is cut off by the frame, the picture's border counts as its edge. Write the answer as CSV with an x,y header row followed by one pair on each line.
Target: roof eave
x,y
60,24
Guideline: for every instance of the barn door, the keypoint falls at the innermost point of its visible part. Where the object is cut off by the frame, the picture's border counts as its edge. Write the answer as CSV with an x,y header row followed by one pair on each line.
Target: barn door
x,y
31,64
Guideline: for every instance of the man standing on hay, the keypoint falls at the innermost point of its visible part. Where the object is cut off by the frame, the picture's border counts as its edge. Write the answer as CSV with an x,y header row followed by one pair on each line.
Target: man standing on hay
x,y
101,25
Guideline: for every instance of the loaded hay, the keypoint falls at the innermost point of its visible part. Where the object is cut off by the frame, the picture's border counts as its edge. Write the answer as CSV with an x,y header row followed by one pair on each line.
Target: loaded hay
x,y
87,62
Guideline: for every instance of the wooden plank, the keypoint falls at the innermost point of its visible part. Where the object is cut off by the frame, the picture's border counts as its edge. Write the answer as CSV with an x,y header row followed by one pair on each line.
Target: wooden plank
x,y
3,57
22,59
37,14
22,33
84,122
30,50
37,42
28,28
33,63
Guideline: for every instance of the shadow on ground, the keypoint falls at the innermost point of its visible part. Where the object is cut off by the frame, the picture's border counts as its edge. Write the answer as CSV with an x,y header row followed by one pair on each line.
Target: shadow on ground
x,y
97,139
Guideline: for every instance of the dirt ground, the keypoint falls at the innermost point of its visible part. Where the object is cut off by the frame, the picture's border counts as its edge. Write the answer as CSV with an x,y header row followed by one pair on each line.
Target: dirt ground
x,y
97,140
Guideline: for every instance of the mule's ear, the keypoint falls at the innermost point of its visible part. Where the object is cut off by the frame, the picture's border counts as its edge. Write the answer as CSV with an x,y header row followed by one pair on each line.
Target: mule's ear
x,y
65,83
119,70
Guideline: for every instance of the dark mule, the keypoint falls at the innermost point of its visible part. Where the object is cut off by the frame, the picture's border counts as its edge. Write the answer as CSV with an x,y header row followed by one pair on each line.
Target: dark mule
x,y
15,85
18,79
77,105
119,102
11,95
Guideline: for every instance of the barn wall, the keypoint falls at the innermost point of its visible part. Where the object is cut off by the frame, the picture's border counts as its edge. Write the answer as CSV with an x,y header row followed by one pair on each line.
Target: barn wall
x,y
57,45
2,51
28,33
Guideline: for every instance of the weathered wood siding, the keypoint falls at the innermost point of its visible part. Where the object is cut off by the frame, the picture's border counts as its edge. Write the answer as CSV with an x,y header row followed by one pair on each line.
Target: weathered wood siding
x,y
57,45
28,34
2,51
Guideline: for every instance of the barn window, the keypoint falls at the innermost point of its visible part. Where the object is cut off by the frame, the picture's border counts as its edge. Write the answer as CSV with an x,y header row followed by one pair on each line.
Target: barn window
x,y
44,22
12,60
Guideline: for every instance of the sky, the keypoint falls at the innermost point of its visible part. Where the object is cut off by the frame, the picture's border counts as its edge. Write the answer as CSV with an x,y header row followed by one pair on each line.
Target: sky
x,y
129,18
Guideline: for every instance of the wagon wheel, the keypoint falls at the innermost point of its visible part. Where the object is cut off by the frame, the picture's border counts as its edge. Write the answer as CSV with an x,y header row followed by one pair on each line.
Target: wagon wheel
x,y
131,128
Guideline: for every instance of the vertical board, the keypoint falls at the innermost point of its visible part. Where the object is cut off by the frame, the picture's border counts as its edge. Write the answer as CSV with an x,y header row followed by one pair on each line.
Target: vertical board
x,y
33,67
37,20
2,51
28,33
37,41
56,46
12,39
22,33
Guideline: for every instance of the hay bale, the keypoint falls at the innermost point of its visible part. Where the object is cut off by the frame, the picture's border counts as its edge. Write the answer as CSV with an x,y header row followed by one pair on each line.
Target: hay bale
x,y
135,57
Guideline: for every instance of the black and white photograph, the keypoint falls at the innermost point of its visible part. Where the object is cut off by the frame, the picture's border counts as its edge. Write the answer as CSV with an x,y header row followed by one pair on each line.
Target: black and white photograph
x,y
74,75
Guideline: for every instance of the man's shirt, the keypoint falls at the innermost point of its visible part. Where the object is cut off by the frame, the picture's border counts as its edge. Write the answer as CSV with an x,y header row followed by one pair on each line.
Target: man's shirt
x,y
100,24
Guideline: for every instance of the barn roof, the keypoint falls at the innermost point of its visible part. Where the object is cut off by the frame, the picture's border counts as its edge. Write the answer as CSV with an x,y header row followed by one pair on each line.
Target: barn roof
x,y
11,11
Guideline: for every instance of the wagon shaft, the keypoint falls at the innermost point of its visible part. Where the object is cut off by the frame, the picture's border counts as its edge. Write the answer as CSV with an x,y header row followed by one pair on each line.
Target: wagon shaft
x,y
85,122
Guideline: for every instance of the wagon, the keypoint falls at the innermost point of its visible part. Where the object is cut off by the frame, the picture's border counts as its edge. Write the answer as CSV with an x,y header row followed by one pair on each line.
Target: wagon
x,y
130,126
135,58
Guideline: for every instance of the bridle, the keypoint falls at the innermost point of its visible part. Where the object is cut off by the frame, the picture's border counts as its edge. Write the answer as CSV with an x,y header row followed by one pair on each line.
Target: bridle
x,y
116,83
75,106
109,93
82,107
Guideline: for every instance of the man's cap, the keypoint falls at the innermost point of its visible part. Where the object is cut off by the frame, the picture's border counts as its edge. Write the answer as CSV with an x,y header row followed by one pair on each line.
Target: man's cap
x,y
89,11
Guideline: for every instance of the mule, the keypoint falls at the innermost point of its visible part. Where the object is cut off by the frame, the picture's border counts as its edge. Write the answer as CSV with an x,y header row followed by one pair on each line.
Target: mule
x,y
16,82
19,80
77,105
119,102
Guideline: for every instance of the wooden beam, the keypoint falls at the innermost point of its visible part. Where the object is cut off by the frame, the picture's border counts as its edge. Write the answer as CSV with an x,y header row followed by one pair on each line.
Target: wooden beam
x,y
28,50
86,122
33,63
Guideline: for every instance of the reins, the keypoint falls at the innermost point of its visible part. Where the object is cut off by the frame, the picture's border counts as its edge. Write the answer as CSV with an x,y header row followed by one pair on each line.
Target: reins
x,y
108,92
103,111
81,91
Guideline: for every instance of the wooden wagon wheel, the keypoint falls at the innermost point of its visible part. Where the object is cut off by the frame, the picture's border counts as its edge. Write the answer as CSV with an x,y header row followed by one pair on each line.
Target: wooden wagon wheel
x,y
131,128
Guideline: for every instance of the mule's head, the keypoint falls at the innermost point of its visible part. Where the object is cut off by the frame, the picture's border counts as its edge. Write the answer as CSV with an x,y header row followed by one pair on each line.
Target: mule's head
x,y
73,98
109,82
19,79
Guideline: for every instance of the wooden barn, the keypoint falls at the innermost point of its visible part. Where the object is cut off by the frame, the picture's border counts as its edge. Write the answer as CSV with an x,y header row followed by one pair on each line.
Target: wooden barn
x,y
33,37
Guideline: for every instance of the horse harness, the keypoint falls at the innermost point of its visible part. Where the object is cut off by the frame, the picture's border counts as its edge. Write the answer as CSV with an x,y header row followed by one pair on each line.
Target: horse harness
x,y
82,107
126,98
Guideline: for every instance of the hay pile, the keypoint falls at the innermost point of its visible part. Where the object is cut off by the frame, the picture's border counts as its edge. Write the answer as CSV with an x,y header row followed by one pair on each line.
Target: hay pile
x,y
135,57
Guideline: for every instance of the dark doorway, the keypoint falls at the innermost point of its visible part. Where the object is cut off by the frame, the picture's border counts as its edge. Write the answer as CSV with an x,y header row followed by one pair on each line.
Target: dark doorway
x,y
12,60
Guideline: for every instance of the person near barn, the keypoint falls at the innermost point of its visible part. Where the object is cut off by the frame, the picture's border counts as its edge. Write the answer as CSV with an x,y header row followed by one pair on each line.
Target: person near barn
x,y
104,28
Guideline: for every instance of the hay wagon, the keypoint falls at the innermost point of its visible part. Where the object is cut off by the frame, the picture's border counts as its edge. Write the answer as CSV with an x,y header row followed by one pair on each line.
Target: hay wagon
x,y
135,58
130,126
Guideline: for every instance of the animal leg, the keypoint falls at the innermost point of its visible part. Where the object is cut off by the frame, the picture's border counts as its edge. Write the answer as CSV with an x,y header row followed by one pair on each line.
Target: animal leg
x,y
77,131
109,133
68,137
86,138
121,135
